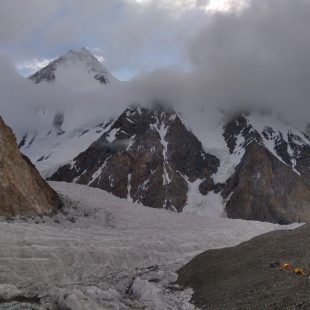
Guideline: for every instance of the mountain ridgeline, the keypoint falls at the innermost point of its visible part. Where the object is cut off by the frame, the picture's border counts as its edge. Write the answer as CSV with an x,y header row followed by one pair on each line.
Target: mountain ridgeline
x,y
151,156
91,65
147,156
271,182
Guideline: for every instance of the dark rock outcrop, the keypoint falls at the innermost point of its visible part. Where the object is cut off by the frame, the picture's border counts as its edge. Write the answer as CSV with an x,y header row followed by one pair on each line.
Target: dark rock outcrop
x,y
206,186
22,190
57,123
265,189
290,146
148,155
271,182
239,127
241,277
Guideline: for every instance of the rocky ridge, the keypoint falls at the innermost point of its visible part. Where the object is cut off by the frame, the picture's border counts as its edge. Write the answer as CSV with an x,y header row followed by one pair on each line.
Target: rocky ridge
x,y
150,155
147,156
271,182
23,192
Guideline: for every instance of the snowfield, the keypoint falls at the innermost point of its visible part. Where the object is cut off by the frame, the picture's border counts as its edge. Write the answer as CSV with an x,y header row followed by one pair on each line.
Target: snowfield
x,y
102,252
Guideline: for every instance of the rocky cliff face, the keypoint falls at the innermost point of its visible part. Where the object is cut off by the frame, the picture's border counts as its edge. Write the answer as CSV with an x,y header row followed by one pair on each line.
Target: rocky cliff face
x,y
271,182
22,190
147,156
289,145
265,189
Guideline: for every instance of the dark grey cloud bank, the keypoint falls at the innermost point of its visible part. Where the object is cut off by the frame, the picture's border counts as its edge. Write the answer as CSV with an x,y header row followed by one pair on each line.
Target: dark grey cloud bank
x,y
130,35
260,57
257,57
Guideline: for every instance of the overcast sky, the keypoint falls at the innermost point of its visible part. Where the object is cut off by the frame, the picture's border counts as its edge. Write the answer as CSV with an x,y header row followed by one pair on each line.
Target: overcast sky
x,y
133,36
224,53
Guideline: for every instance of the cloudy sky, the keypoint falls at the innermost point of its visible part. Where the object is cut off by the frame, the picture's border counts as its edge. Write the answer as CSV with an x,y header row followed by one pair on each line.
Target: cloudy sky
x,y
133,36
225,53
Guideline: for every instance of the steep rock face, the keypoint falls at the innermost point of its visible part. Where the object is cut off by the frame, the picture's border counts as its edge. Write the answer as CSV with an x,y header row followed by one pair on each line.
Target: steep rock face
x,y
289,145
147,156
271,181
239,133
22,190
265,189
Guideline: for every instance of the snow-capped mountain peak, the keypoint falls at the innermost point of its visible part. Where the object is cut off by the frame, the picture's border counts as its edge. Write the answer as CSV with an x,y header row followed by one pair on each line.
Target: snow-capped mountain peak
x,y
75,65
286,143
147,156
153,156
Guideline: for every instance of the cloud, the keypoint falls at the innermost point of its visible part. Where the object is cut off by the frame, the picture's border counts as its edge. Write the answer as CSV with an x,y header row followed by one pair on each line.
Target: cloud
x,y
16,106
30,66
258,57
177,7
19,19
26,106
255,54
133,35
255,58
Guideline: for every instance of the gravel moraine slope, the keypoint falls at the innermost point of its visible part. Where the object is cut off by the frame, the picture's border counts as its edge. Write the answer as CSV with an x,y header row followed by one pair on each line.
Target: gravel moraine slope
x,y
241,278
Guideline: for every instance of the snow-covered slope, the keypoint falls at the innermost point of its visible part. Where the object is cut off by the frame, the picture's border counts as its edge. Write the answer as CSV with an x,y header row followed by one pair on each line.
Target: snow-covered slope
x,y
227,135
89,255
77,67
80,87
232,140
154,156
286,143
48,149
147,156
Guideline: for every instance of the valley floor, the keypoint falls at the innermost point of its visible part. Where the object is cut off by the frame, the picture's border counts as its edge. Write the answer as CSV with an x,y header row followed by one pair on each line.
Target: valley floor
x,y
102,252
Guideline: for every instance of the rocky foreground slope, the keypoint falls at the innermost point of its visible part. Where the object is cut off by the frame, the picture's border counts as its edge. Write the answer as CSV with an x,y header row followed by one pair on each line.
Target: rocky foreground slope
x,y
247,277
22,190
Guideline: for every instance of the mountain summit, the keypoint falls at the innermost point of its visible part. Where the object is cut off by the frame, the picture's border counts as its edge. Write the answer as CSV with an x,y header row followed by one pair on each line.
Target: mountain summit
x,y
147,156
74,78
80,61
256,167
271,181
